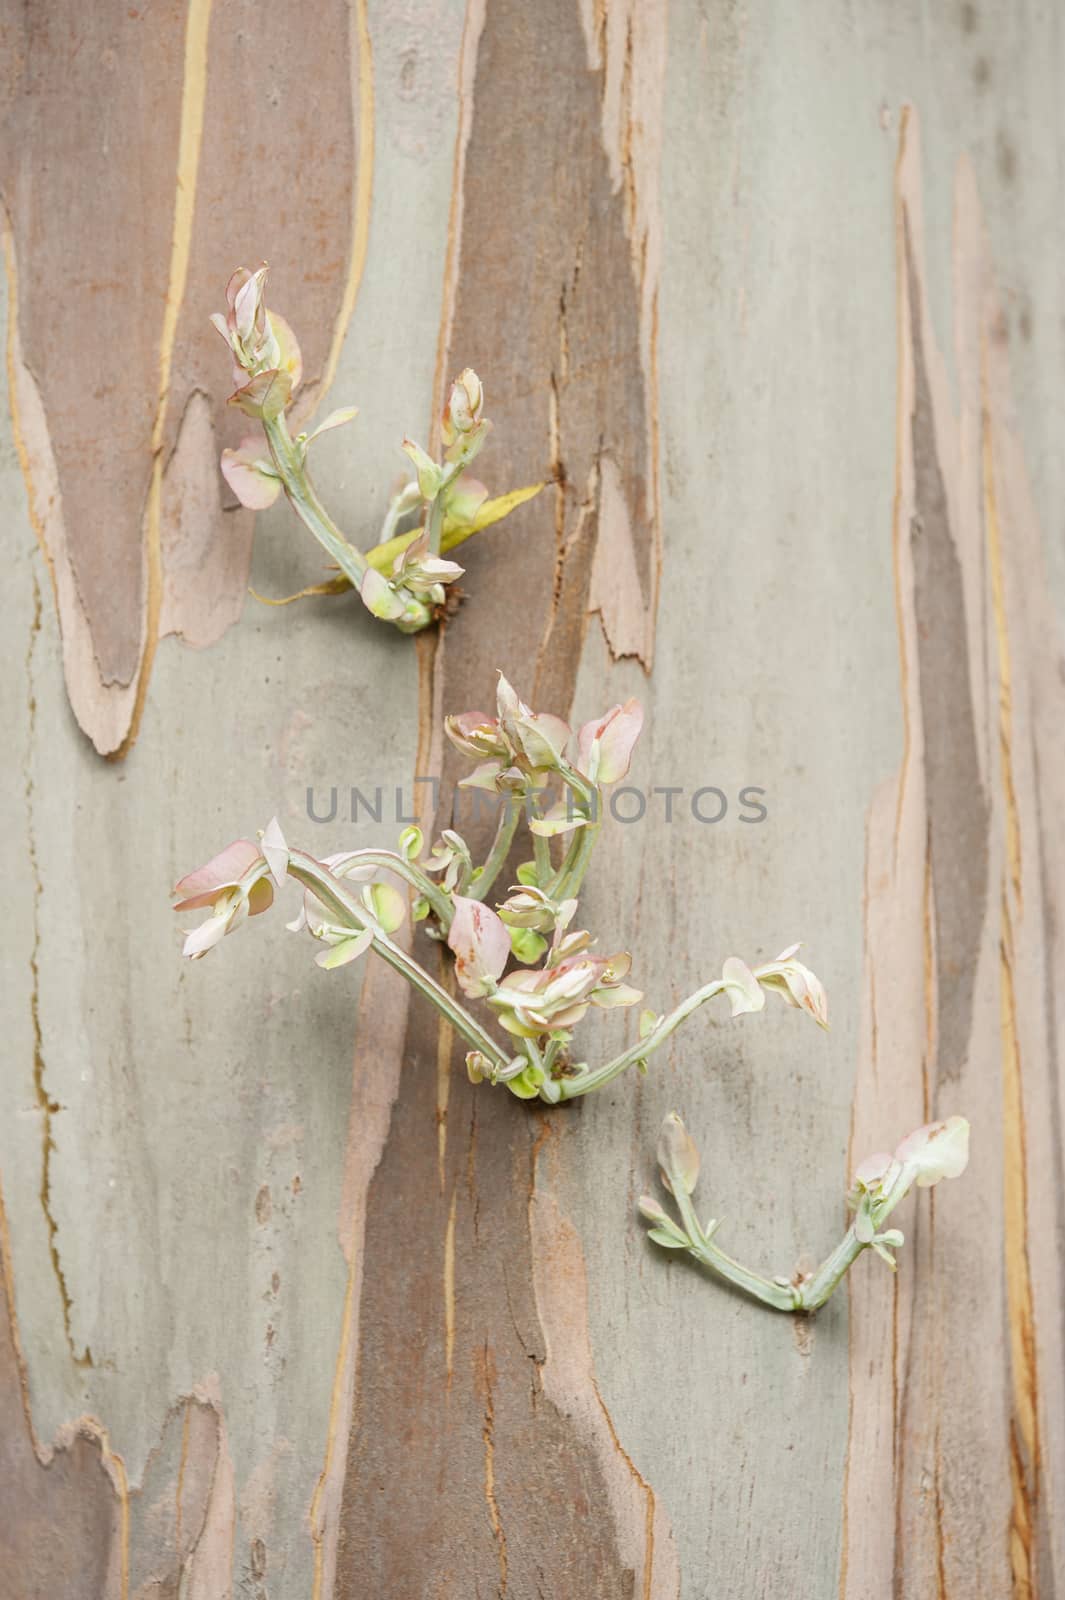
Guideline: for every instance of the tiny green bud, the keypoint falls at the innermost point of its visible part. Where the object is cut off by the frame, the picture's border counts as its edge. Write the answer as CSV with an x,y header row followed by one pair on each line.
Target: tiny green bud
x,y
411,841
651,1211
677,1154
429,474
478,1066
385,904
528,946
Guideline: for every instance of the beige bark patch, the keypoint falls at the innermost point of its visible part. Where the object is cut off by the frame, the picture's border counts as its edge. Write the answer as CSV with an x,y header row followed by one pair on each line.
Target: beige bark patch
x,y
113,355
944,1495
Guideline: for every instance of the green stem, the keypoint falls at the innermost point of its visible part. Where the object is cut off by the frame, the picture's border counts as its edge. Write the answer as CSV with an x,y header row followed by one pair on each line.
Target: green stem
x,y
817,1288
588,793
337,898
572,1087
806,1296
436,521
396,511
532,1051
770,1294
452,472
288,459
438,898
542,859
703,1249
496,857
567,883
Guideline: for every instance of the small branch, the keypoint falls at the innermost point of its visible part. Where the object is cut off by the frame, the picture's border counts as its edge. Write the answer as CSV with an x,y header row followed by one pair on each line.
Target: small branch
x,y
289,461
390,861
496,858
572,1087
336,897
567,882
816,1289
436,522
781,1295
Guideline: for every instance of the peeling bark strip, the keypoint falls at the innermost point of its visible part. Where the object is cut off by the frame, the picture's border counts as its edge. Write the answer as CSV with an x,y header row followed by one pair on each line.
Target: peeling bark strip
x,y
552,292
71,1525
956,805
645,1537
110,371
481,1459
499,1473
64,1529
952,1475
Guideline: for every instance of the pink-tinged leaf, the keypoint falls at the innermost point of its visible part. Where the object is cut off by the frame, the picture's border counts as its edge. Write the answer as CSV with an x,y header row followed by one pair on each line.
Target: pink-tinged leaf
x,y
265,396
651,1211
238,278
796,985
223,871
465,499
872,1169
481,946
605,744
678,1156
482,777
476,734
464,405
246,303
542,737
250,476
938,1150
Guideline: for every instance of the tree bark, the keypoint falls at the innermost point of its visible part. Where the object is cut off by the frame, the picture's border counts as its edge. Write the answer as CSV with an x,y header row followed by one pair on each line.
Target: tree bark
x,y
770,297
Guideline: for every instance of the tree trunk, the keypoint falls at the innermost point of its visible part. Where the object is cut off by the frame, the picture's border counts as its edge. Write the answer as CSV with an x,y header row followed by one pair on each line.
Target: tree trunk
x,y
771,296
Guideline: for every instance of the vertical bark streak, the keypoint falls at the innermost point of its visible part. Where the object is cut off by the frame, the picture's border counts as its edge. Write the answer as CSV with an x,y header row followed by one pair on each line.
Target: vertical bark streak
x,y
977,678
958,813
541,298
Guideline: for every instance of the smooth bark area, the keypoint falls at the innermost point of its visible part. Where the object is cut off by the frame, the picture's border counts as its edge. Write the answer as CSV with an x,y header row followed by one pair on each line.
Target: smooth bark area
x,y
772,296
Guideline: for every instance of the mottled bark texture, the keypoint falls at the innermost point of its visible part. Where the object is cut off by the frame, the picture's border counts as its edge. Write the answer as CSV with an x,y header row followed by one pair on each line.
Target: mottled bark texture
x,y
287,1306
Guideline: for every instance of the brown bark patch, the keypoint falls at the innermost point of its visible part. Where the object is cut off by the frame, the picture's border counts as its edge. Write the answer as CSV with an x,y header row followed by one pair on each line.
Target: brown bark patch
x,y
172,143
